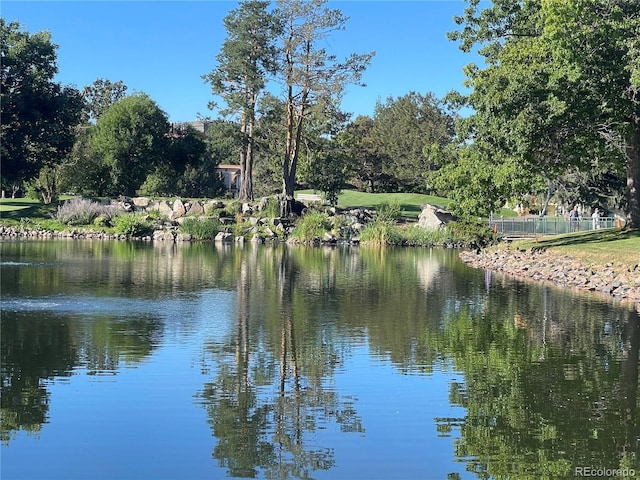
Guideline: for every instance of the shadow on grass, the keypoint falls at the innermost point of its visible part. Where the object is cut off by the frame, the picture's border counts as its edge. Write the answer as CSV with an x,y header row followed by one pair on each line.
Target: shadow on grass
x,y
592,236
17,209
18,203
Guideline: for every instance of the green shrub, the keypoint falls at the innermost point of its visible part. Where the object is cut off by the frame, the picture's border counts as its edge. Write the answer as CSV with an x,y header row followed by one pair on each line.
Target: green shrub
x,y
160,182
31,190
471,233
381,232
132,224
389,233
102,221
201,229
231,209
311,226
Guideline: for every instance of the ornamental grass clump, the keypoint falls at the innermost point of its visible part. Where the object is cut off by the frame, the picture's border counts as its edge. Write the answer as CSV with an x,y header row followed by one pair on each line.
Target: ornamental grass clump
x,y
414,235
81,211
381,232
271,208
389,211
312,226
201,228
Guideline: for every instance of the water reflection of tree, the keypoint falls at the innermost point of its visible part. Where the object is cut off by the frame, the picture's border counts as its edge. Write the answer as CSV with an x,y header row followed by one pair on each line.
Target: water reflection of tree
x,y
546,389
231,401
380,295
37,347
31,352
270,396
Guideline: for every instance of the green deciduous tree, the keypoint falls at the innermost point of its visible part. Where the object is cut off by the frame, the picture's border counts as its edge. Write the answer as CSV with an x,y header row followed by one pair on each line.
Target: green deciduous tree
x,y
131,137
401,130
367,163
38,114
247,57
185,169
195,161
327,168
560,87
83,172
100,95
478,183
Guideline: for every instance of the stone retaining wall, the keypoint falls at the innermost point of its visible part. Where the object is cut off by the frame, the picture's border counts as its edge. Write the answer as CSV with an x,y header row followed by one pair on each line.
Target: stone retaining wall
x,y
74,233
619,281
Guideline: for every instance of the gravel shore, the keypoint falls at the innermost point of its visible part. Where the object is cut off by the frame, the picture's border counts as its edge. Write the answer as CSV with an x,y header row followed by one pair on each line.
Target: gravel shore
x,y
619,281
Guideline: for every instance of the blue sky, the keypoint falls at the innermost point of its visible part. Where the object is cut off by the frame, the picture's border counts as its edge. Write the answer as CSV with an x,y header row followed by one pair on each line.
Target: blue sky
x,y
162,48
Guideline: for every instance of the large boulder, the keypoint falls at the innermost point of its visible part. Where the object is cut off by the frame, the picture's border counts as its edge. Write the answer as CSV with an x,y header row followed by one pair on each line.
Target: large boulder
x,y
178,210
224,237
141,202
164,235
162,207
432,217
196,209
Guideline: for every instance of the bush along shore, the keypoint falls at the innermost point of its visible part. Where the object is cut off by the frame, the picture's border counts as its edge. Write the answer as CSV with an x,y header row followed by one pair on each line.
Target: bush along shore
x,y
611,279
179,220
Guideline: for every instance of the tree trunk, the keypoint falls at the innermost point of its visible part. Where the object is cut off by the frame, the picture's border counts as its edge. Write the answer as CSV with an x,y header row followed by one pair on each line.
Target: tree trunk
x,y
550,190
290,161
288,180
294,136
633,176
246,171
246,162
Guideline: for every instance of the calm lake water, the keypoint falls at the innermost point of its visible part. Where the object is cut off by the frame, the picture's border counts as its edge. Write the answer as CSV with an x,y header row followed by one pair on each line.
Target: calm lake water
x,y
128,361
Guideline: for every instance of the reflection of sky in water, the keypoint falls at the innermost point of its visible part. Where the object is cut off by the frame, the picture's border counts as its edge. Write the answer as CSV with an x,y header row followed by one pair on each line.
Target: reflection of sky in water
x,y
207,311
398,413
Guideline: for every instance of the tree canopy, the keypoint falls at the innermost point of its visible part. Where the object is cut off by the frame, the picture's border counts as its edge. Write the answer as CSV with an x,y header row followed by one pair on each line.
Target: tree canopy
x,y
559,89
100,95
403,131
131,136
38,114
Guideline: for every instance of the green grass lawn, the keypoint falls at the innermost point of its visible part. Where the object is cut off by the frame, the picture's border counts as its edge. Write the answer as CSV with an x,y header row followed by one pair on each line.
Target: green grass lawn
x,y
597,246
410,203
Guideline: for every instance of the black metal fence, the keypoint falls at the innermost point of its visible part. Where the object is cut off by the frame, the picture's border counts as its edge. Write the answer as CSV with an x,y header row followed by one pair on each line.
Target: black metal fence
x,y
532,226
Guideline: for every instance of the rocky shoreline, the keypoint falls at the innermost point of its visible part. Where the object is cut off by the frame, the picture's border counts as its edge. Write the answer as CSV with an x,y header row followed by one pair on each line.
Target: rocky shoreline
x,y
618,281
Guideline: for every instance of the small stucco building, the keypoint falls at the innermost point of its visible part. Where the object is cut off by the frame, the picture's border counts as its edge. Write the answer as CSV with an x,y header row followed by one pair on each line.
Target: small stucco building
x,y
231,177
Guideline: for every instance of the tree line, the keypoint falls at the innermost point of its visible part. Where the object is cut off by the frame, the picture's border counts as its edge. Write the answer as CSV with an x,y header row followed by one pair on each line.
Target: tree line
x,y
554,113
